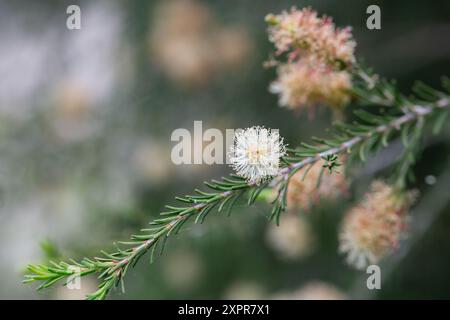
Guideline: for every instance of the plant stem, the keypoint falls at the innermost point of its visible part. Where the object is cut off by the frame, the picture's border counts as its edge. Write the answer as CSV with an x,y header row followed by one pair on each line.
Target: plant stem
x,y
113,267
414,114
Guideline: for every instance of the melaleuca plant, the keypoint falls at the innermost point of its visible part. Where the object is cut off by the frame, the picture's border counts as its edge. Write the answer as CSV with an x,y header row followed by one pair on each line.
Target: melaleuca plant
x,y
316,66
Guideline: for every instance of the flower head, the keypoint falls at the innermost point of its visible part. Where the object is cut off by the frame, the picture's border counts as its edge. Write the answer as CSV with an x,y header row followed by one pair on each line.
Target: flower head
x,y
190,46
255,153
292,239
303,192
310,82
301,32
314,290
318,60
373,228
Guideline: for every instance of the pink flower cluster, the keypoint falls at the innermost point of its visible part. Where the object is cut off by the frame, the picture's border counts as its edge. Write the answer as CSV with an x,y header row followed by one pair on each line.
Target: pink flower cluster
x,y
374,227
318,58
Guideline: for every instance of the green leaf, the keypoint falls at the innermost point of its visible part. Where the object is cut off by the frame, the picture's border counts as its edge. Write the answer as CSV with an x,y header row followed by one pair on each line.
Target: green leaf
x,y
439,124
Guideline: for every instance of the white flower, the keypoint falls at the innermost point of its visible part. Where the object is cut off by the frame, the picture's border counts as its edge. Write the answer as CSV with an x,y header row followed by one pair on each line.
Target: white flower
x,y
255,153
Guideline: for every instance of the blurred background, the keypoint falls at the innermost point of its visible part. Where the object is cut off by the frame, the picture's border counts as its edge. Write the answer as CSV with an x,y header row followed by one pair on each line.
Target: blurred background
x,y
85,123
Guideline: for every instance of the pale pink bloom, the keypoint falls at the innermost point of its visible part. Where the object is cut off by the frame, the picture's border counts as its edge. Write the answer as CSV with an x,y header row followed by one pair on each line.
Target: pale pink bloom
x,y
308,83
374,227
301,32
303,192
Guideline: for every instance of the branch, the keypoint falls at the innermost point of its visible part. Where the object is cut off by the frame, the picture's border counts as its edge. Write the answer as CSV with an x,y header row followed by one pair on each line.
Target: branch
x,y
368,134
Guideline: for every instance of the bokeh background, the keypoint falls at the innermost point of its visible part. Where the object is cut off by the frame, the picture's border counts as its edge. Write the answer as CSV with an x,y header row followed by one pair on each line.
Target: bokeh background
x,y
85,123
